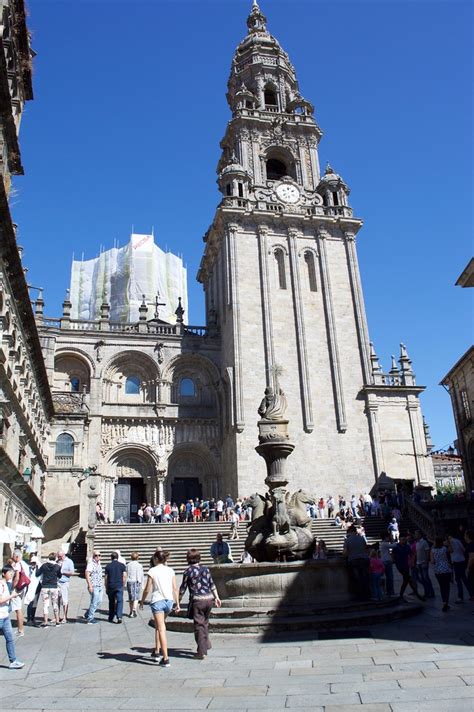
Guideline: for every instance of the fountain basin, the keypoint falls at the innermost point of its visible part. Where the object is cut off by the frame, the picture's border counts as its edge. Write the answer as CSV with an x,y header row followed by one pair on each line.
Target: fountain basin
x,y
288,586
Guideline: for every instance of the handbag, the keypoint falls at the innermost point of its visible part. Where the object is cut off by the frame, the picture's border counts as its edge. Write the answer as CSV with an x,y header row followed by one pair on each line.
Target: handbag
x,y
23,581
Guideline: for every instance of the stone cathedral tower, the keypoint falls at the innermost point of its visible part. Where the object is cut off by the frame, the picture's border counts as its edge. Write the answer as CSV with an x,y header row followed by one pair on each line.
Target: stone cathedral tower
x,y
281,278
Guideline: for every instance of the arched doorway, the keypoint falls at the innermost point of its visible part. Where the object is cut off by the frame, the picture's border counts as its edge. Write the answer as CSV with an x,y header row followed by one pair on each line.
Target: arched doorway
x,y
189,476
135,474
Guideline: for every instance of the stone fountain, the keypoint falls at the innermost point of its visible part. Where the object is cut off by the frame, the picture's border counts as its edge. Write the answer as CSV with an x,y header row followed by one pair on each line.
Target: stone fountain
x,y
281,528
285,589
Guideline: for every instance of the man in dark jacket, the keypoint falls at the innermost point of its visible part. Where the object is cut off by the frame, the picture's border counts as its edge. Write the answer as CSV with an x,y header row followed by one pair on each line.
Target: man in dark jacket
x,y
50,572
115,577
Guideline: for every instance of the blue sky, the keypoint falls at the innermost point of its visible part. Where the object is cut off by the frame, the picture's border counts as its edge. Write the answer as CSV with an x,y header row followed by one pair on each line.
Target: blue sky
x,y
130,107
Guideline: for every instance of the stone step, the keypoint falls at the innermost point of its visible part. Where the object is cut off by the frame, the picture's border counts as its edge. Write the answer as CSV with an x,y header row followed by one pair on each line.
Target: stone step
x,y
351,616
179,537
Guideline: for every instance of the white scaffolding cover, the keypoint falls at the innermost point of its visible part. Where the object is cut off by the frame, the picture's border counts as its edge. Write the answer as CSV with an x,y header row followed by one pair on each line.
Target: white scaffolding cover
x,y
121,275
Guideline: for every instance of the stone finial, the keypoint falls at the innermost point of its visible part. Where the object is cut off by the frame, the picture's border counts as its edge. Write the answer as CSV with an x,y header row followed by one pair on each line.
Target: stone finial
x,y
376,368
179,312
429,442
394,372
105,310
39,306
256,21
406,371
328,169
67,304
143,309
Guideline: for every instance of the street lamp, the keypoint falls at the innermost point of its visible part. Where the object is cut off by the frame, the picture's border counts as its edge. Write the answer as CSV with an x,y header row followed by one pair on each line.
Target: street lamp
x,y
27,475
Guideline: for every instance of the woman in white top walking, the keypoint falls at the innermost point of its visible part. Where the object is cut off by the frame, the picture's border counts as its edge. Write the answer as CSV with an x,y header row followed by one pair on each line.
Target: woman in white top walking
x,y
134,583
161,582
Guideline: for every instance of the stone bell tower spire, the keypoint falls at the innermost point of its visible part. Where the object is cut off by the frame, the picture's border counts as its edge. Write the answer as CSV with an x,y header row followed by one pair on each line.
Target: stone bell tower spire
x,y
272,132
281,278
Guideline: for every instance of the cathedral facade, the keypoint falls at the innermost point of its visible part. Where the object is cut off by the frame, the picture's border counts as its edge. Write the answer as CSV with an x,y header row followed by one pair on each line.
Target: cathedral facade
x,y
164,410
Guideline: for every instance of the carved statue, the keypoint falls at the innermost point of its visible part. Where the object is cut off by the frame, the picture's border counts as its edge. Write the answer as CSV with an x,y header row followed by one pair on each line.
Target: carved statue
x,y
280,528
273,405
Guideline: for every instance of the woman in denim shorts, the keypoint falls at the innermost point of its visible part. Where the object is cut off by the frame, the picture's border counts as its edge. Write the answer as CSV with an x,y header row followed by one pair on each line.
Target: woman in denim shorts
x,y
161,583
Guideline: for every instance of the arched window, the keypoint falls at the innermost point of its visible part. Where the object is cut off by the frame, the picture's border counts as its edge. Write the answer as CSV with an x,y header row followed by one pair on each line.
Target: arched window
x,y
280,260
132,386
75,382
309,259
275,169
64,452
270,97
187,389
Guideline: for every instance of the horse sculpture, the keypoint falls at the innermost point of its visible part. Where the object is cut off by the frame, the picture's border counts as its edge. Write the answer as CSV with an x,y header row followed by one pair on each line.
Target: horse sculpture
x,y
281,531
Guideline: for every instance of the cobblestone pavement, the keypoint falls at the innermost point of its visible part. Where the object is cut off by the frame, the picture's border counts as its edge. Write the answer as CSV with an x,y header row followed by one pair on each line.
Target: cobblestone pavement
x,y
413,665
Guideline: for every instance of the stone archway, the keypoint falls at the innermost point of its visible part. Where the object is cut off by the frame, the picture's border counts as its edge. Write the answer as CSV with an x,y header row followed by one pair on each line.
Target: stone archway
x,y
190,474
134,477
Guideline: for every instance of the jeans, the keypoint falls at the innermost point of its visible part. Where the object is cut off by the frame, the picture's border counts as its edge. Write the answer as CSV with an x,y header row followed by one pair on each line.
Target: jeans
x,y
424,579
96,598
115,602
6,628
389,577
376,586
460,576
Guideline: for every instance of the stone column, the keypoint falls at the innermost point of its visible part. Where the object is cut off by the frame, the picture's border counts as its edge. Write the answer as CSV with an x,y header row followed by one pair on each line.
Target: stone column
x,y
332,334
161,486
300,332
231,233
361,321
423,464
92,484
375,437
262,232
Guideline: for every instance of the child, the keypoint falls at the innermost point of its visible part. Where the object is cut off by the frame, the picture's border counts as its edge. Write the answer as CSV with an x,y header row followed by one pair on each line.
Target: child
x,y
377,570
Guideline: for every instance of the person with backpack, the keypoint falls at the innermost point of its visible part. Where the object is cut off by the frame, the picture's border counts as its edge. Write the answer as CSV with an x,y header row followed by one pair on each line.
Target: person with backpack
x,y
50,572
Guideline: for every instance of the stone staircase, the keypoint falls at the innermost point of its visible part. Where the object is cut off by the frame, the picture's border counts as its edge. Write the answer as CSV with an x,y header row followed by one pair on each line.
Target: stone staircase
x,y
177,538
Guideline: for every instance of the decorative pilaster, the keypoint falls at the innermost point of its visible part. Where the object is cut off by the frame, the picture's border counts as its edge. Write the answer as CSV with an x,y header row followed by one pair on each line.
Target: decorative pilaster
x,y
375,436
300,332
231,232
332,335
262,232
359,310
422,461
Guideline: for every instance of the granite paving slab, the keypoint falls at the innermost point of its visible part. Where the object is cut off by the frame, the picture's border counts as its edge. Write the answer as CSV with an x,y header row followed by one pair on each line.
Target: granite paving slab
x,y
419,664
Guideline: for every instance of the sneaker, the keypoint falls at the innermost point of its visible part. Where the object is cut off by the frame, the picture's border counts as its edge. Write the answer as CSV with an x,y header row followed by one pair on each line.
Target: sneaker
x,y
92,621
119,620
156,657
164,662
20,634
16,665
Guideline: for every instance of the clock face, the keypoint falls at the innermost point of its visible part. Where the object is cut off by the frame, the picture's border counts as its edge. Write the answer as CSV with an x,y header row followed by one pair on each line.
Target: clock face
x,y
288,193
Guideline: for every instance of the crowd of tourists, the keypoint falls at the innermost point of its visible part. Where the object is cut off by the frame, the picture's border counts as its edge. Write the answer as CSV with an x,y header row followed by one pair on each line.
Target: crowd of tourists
x,y
371,570
450,558
345,511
